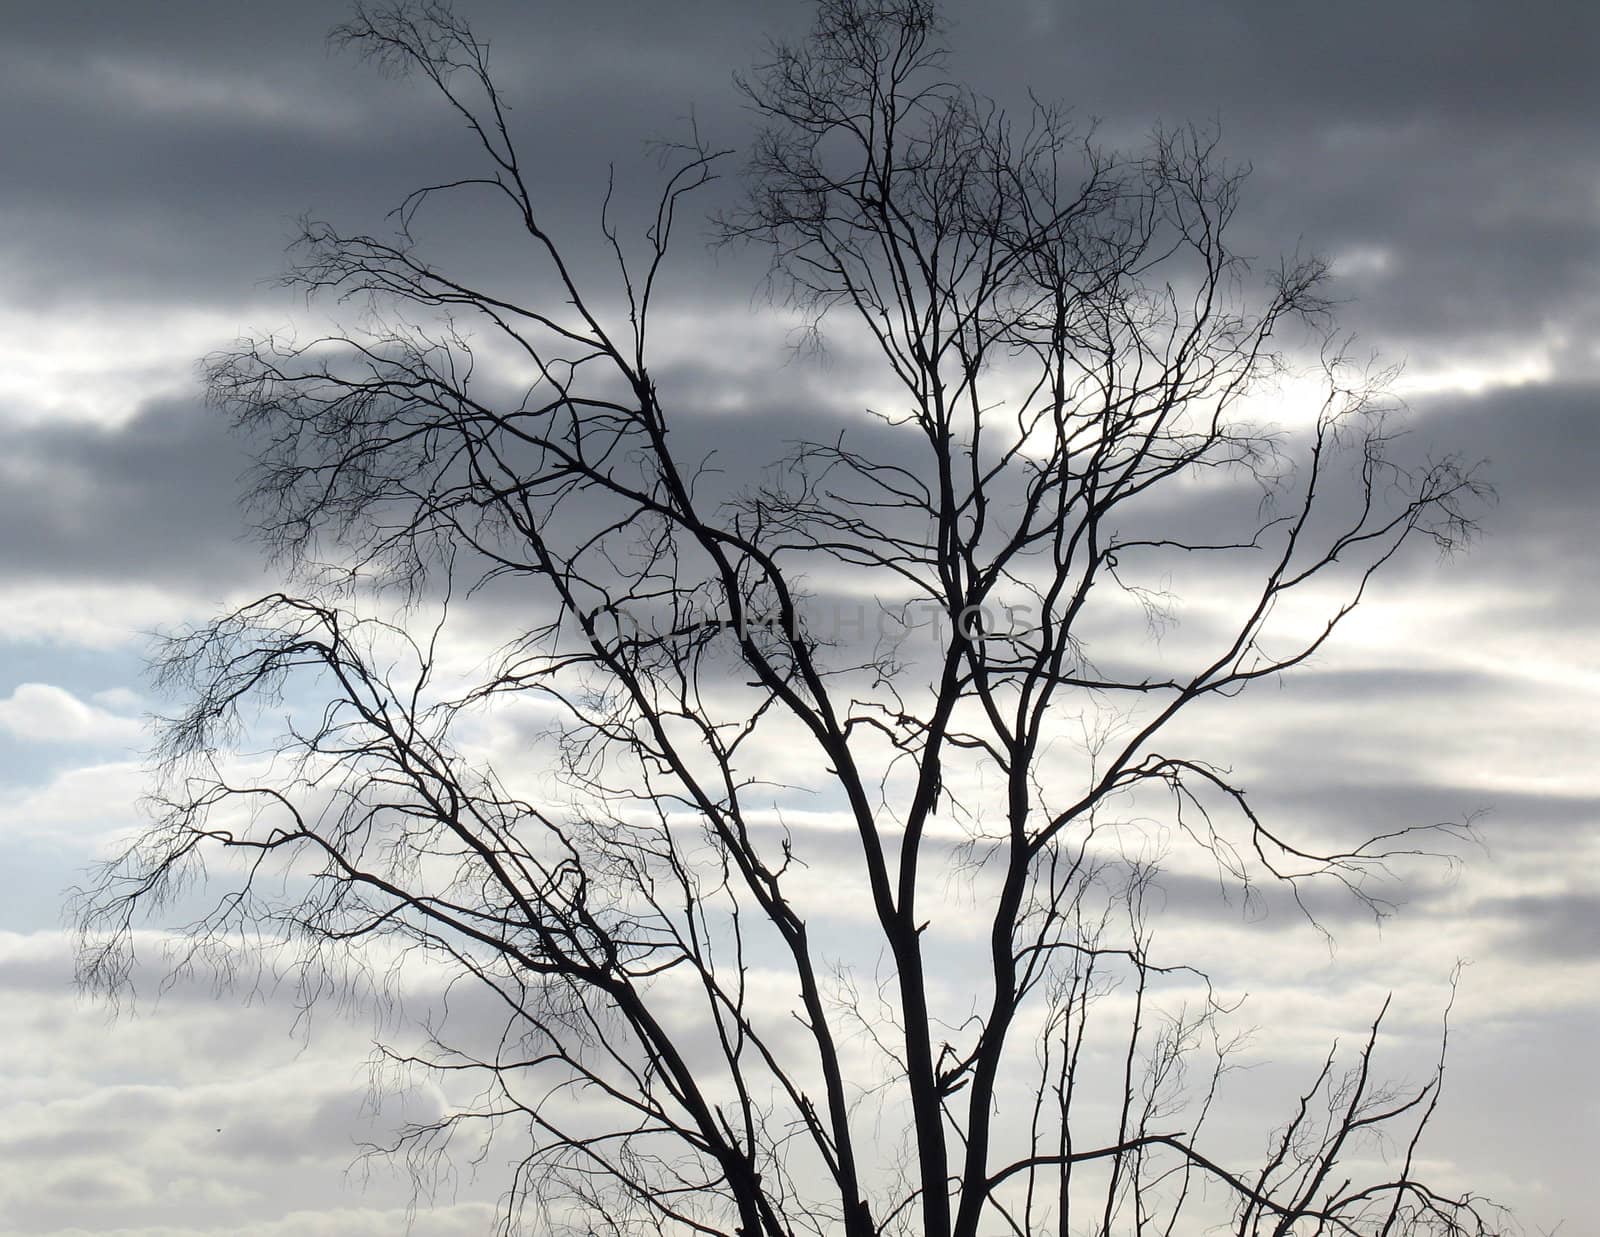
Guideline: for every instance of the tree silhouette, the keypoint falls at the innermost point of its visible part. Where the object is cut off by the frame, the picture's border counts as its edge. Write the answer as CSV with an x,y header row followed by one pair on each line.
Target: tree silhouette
x,y
672,1025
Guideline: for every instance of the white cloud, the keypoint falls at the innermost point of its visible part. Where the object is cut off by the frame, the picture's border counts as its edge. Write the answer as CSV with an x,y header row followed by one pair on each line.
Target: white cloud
x,y
98,364
92,615
460,1220
186,1118
89,802
119,700
42,713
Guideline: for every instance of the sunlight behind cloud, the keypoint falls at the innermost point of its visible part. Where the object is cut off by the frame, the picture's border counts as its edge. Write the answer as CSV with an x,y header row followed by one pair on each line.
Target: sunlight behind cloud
x,y
101,364
1470,377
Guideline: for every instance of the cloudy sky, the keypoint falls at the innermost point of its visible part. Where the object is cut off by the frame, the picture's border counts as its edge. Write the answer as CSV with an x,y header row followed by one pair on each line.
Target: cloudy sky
x,y
1445,156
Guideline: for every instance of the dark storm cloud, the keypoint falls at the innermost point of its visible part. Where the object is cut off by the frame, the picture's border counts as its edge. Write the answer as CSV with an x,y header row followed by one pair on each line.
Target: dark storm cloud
x,y
179,142
1540,449
153,500
175,142
1455,139
126,162
1370,60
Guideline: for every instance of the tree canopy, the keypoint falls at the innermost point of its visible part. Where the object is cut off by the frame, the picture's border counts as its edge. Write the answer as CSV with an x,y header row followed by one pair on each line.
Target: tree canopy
x,y
809,881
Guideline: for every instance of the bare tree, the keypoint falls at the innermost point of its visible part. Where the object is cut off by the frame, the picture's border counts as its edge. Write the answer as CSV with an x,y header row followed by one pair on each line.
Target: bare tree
x,y
686,1041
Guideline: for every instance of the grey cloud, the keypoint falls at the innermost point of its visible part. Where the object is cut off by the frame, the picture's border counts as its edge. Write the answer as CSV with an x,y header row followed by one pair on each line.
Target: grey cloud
x,y
1458,139
1370,58
1540,449
1536,445
1540,444
226,1104
1558,926
1452,135
1336,687
154,499
1179,900
1508,815
123,170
